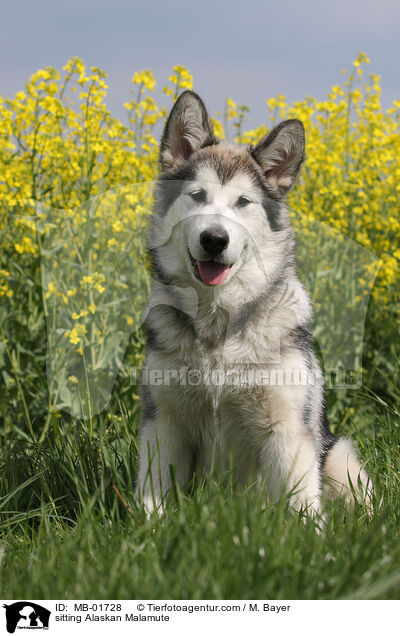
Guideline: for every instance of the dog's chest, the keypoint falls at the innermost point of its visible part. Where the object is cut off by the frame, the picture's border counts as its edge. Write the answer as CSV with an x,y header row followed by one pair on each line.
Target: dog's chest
x,y
212,361
215,349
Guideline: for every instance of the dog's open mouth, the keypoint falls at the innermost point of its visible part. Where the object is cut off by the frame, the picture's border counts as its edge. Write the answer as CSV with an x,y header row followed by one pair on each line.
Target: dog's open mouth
x,y
210,272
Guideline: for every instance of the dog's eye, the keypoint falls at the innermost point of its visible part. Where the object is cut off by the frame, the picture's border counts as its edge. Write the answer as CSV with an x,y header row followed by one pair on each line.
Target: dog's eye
x,y
243,201
198,195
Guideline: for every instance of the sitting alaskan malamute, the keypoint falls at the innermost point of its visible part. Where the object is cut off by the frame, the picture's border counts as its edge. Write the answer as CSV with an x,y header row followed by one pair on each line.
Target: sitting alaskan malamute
x,y
228,324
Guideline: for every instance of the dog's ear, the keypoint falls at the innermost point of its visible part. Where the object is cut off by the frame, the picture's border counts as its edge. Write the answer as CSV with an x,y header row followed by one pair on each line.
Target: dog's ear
x,y
188,129
280,155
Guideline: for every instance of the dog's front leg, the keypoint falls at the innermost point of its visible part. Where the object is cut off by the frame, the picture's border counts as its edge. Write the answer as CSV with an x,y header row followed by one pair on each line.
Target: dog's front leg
x,y
163,453
289,458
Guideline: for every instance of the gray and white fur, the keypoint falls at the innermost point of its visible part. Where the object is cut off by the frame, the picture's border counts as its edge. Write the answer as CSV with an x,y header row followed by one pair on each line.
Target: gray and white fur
x,y
226,296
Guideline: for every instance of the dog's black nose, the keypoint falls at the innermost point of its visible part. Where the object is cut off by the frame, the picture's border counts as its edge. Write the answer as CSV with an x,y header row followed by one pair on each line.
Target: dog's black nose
x,y
214,240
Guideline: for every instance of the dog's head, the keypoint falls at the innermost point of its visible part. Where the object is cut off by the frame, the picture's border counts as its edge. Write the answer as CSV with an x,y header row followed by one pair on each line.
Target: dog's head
x,y
220,207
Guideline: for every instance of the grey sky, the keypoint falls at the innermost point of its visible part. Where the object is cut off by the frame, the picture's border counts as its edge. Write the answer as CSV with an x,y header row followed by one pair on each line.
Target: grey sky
x,y
248,50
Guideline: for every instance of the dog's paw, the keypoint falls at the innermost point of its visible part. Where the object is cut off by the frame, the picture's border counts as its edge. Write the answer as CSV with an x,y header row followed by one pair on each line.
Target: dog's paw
x,y
152,505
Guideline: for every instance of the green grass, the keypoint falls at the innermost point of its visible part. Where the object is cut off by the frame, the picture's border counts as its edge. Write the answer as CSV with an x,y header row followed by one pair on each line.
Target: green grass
x,y
69,526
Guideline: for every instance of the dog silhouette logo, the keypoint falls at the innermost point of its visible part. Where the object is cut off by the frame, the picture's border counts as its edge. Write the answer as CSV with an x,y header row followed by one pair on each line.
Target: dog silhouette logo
x,y
26,615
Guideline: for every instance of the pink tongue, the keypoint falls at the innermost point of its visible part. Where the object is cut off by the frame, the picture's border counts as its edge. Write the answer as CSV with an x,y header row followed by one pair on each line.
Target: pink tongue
x,y
212,273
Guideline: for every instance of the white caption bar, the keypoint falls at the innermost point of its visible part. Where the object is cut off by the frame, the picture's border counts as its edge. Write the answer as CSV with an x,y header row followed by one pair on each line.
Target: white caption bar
x,y
174,617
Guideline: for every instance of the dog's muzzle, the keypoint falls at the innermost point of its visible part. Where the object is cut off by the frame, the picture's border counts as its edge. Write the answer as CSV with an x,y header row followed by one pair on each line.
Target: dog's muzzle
x,y
212,268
